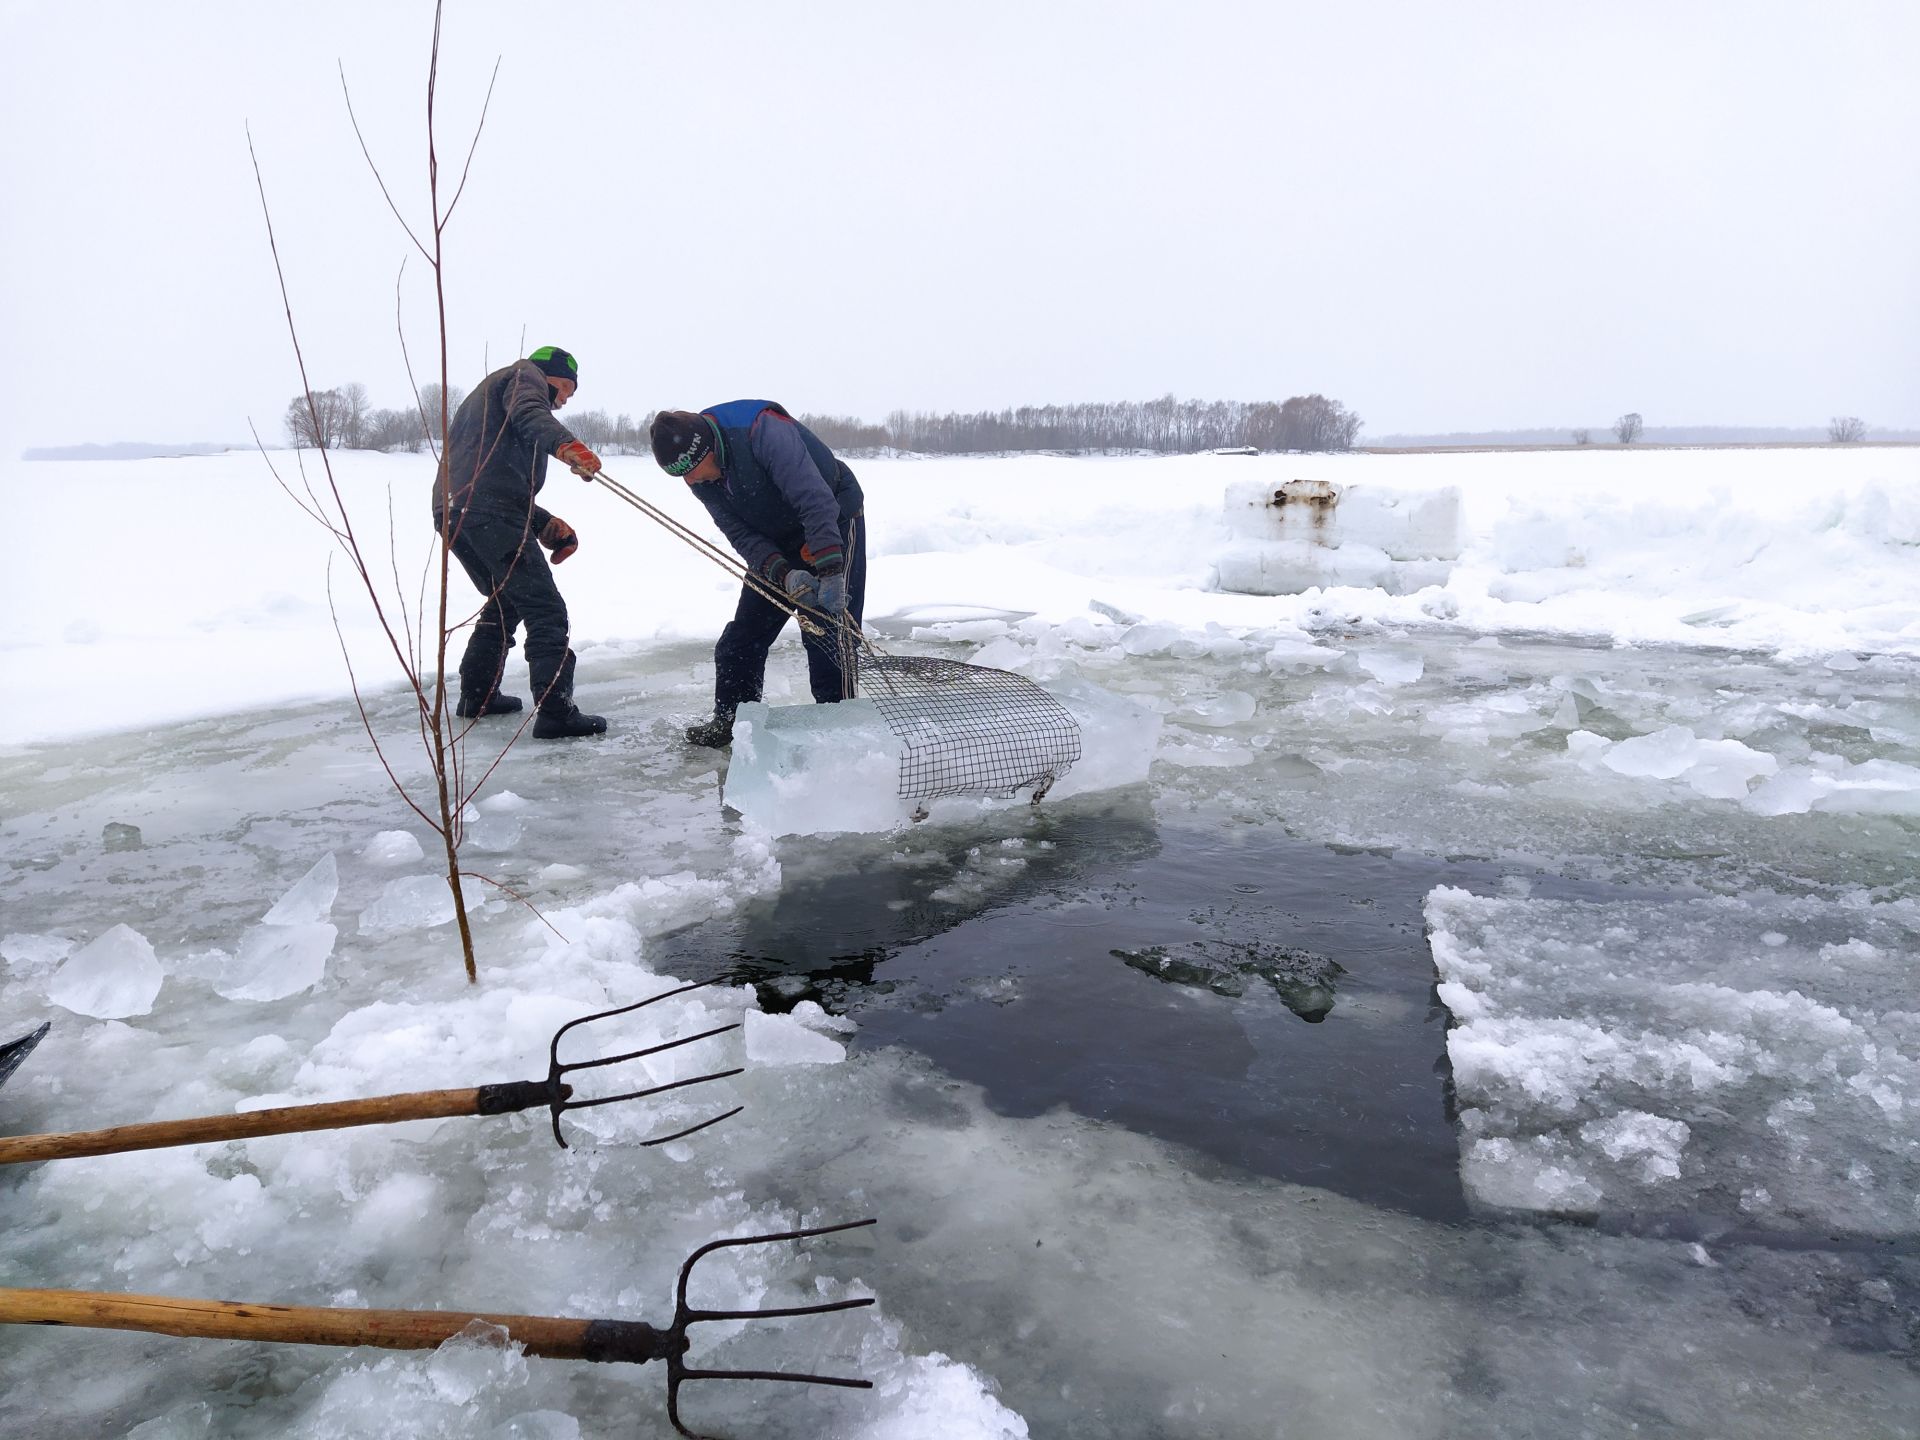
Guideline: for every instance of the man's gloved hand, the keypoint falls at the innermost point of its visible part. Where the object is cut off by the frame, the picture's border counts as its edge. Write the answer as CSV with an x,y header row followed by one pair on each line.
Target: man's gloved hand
x,y
832,596
559,537
578,458
802,586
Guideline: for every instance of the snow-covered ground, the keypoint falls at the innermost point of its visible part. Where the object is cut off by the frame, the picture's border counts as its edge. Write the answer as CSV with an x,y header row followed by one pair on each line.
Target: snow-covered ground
x,y
1656,740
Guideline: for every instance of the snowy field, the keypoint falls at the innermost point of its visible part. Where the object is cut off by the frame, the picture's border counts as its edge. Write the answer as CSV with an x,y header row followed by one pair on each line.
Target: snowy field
x,y
1497,1014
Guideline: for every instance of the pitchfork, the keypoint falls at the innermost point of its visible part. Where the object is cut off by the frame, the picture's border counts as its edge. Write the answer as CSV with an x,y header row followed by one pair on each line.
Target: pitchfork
x,y
14,1051
549,1336
501,1099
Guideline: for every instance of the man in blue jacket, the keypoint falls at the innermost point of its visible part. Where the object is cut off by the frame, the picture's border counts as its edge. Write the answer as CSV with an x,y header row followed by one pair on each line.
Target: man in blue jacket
x,y
792,511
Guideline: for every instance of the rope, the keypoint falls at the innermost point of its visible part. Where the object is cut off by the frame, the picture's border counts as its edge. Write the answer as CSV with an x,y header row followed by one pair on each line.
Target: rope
x,y
849,641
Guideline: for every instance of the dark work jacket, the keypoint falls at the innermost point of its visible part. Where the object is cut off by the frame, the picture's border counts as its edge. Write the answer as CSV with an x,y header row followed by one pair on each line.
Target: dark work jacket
x,y
497,449
782,491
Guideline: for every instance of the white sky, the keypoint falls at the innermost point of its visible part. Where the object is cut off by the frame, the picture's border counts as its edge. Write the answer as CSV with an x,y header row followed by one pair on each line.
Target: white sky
x,y
1463,216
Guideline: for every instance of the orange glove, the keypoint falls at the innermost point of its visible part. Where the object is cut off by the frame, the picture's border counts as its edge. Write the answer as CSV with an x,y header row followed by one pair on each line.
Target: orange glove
x,y
577,457
559,537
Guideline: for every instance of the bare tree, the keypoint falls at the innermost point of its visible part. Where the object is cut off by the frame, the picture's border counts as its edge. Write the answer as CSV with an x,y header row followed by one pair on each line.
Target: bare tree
x,y
319,420
354,409
1583,437
433,400
412,645
1846,429
1628,427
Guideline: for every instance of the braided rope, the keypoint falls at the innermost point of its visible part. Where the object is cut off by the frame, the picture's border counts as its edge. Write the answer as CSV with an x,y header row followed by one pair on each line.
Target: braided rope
x,y
849,640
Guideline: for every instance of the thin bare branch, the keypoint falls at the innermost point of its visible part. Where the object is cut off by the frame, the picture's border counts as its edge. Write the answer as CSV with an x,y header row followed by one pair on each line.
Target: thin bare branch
x,y
360,704
460,189
513,894
379,179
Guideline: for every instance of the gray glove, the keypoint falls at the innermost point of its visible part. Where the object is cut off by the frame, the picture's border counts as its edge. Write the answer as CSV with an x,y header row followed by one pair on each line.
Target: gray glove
x,y
802,587
832,593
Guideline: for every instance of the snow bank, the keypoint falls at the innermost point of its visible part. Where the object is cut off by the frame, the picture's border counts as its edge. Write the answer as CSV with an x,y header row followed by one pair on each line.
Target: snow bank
x,y
1727,547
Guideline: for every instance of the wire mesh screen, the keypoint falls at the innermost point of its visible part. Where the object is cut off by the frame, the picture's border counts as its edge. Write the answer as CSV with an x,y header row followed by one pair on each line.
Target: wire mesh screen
x,y
968,729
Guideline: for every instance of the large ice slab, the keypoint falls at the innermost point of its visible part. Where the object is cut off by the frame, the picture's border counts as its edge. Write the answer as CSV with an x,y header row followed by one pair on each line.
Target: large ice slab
x,y
1754,1057
1304,533
822,769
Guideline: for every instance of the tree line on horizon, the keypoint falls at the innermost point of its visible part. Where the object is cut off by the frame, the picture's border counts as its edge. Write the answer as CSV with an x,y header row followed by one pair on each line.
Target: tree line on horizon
x,y
344,418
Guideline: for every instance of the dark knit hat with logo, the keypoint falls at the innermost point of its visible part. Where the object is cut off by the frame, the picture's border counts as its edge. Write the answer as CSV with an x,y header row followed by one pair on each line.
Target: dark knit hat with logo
x,y
556,364
681,439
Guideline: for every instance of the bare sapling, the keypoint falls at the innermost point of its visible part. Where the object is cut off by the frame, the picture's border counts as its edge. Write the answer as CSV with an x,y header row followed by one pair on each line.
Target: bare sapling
x,y
418,634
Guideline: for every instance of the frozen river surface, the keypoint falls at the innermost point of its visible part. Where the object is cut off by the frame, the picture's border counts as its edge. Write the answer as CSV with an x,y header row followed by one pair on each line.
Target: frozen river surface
x,y
1457,1035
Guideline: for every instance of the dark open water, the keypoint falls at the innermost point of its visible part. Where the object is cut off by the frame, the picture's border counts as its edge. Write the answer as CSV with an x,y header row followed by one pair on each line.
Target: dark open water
x,y
1328,1067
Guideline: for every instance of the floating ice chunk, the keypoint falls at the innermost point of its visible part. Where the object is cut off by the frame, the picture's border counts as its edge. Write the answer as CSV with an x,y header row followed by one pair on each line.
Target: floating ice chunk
x,y
783,1040
311,898
815,769
1391,667
1118,738
111,978
1150,639
822,769
1005,653
559,872
1288,654
496,834
276,961
1230,707
1723,769
392,847
413,902
1873,787
34,954
504,800
1664,755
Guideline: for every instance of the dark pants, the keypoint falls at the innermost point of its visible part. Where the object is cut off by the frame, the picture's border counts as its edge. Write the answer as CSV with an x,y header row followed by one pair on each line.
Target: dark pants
x,y
740,659
505,564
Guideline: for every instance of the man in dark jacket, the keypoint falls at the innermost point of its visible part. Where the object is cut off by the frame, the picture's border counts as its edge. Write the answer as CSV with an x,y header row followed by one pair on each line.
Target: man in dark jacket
x,y
484,508
792,512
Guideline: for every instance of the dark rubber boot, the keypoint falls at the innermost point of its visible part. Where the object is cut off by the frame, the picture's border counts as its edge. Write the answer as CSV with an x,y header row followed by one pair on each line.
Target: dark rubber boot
x,y
715,734
495,704
559,717
563,722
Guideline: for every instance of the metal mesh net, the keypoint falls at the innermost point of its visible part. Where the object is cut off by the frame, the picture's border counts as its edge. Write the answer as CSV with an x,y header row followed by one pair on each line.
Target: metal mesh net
x,y
968,729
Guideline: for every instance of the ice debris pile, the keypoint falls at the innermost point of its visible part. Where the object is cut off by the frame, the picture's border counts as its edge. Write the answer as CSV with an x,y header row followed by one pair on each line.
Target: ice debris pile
x,y
1755,1057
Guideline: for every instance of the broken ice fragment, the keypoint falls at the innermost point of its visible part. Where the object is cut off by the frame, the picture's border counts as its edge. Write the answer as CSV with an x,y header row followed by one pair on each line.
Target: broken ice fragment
x,y
116,836
392,847
311,898
783,1040
413,902
276,961
113,977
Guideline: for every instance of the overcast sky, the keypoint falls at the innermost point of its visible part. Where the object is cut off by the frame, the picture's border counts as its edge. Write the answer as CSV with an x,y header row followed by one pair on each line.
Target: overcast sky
x,y
1450,217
